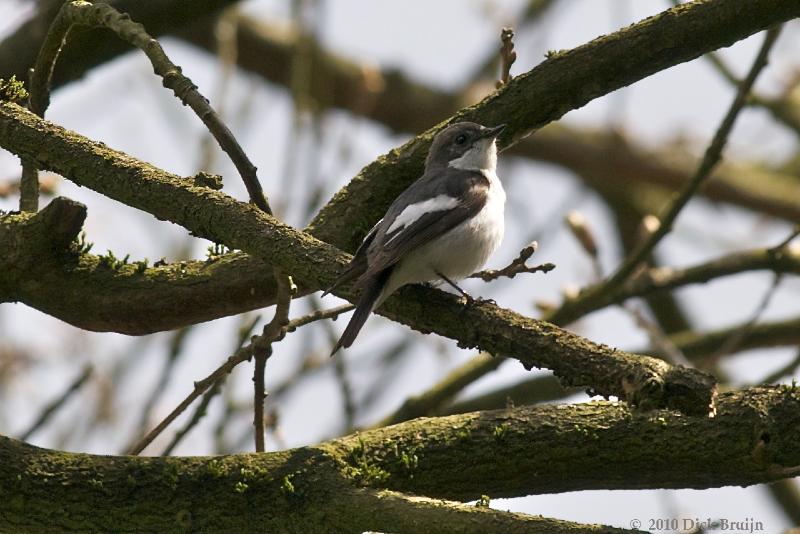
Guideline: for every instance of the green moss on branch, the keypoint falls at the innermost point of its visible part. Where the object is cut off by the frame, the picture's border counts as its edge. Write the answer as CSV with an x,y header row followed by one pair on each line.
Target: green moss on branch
x,y
754,438
212,214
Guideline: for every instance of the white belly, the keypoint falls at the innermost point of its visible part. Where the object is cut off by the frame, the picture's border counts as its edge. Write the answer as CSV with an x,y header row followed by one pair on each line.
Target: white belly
x,y
458,253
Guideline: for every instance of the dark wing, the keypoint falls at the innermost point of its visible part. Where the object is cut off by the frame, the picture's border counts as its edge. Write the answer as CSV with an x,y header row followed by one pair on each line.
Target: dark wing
x,y
358,264
468,187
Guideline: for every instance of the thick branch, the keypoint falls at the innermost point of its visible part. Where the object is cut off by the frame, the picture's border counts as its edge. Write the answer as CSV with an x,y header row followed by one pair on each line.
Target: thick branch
x,y
390,511
86,291
27,236
754,438
398,102
342,82
531,99
697,346
216,216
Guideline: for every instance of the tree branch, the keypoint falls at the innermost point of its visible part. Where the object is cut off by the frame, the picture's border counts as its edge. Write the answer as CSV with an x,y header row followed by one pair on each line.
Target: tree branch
x,y
85,291
402,104
216,216
529,101
273,332
101,15
698,346
517,266
91,47
754,438
392,90
397,512
653,280
713,154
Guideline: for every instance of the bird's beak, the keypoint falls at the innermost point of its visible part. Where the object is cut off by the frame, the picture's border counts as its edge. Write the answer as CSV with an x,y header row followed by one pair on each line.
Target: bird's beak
x,y
493,132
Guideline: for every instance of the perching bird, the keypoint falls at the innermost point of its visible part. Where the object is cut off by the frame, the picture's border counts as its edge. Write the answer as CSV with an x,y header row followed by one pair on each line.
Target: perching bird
x,y
442,228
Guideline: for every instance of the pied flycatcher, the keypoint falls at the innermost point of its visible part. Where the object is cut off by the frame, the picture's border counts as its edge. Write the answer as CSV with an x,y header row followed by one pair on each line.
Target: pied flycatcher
x,y
442,228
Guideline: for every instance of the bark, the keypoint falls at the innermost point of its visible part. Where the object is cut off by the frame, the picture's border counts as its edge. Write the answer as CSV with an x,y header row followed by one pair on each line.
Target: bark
x,y
389,97
102,294
647,382
566,81
754,438
185,311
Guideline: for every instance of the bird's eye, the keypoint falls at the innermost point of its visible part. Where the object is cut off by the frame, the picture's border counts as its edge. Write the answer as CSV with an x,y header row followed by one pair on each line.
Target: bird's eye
x,y
461,139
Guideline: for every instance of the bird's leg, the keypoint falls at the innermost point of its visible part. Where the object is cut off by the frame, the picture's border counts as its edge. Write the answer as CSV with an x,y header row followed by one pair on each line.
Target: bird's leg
x,y
470,300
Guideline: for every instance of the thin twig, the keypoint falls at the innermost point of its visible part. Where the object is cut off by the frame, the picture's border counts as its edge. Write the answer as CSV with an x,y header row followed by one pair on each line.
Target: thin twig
x,y
198,414
331,313
580,230
225,34
312,362
507,56
176,345
29,186
200,387
783,244
730,345
711,157
274,331
516,267
83,13
259,396
671,352
50,409
245,331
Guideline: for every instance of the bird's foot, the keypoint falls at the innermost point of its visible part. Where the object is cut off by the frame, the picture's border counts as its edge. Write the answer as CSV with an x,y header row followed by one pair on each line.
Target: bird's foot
x,y
469,301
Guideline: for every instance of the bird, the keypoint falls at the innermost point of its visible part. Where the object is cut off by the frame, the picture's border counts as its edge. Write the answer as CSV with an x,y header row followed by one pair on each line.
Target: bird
x,y
442,228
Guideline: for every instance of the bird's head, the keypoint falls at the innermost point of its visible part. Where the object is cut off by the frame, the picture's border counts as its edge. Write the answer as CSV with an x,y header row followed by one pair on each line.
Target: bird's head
x,y
465,145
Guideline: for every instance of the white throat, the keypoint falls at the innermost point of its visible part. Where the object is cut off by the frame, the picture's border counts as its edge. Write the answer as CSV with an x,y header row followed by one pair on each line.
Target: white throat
x,y
481,157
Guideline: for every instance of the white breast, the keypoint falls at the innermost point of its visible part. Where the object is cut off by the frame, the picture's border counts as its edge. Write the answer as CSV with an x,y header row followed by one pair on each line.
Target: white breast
x,y
467,247
461,251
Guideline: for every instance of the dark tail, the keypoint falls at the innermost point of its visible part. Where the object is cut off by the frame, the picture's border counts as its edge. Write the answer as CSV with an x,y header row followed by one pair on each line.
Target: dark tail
x,y
358,264
353,271
372,290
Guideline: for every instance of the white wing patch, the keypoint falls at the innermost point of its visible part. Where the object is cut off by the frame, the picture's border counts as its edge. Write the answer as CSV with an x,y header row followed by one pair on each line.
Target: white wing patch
x,y
413,212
